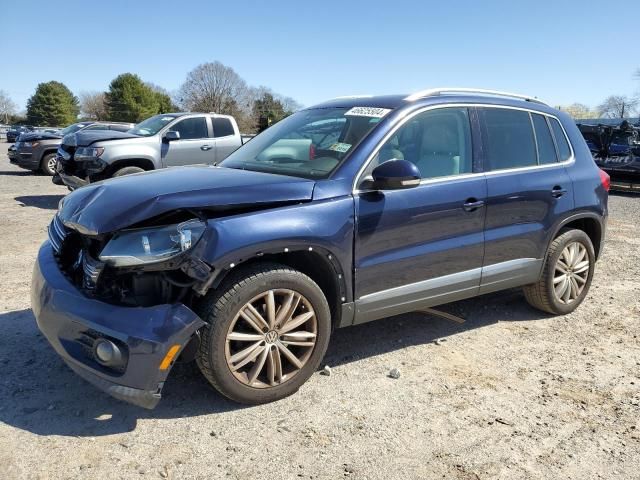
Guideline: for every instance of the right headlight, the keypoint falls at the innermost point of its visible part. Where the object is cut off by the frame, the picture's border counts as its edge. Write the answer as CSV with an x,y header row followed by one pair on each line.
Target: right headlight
x,y
88,153
151,245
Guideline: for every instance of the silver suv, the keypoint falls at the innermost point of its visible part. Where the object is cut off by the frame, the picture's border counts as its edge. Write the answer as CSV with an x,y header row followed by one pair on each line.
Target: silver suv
x,y
165,140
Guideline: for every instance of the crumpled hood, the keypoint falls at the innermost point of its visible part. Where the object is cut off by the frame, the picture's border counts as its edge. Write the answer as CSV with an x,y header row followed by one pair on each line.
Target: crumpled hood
x,y
84,139
32,137
118,203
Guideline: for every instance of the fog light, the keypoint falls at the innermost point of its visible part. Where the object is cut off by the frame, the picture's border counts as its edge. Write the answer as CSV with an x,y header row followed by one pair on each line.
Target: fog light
x,y
107,353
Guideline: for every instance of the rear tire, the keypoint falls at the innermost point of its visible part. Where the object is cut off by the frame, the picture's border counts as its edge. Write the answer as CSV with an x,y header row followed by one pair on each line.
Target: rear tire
x,y
127,171
276,299
567,274
48,164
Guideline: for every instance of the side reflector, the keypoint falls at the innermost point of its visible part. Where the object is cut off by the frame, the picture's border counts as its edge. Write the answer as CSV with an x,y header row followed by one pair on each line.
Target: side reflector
x,y
168,358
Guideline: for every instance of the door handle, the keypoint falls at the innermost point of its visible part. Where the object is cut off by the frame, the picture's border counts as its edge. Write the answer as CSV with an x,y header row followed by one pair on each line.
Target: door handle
x,y
558,191
205,147
472,204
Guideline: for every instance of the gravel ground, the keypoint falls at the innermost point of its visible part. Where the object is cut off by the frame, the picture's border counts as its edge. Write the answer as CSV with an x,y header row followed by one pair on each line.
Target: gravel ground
x,y
512,393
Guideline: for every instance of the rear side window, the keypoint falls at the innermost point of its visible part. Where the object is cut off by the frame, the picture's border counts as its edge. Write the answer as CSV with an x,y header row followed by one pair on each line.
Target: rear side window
x,y
509,140
561,140
191,128
222,127
119,128
546,148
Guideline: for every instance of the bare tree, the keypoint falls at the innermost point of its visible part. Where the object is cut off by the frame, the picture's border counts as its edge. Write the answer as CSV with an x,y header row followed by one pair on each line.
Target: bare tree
x,y
7,107
579,111
214,87
93,105
617,106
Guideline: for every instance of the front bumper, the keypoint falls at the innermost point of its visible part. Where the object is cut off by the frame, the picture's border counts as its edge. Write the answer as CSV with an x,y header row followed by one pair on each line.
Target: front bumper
x,y
72,322
69,180
24,160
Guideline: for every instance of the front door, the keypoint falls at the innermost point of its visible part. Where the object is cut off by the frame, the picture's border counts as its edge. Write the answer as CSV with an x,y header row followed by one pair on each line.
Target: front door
x,y
422,246
194,145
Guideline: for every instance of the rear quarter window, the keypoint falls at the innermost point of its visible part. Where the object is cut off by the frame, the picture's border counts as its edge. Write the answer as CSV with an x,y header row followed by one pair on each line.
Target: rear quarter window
x,y
564,151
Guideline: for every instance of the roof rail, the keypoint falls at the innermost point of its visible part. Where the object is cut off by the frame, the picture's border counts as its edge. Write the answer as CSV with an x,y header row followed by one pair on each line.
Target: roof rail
x,y
479,91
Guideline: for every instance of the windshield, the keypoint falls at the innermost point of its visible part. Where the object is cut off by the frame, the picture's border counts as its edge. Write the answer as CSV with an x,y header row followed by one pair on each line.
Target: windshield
x,y
308,144
72,128
151,125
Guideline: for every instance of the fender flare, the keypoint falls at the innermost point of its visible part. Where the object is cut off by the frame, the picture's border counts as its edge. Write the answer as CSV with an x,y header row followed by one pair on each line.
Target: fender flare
x,y
571,218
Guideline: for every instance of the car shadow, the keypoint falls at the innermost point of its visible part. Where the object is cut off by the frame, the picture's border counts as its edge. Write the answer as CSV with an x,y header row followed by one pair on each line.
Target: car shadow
x,y
13,173
49,202
43,396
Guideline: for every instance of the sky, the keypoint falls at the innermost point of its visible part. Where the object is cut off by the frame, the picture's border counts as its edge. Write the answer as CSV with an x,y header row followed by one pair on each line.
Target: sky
x,y
562,51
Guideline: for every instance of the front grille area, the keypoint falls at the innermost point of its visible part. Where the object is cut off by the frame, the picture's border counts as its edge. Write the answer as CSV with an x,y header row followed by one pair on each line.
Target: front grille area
x,y
73,255
57,234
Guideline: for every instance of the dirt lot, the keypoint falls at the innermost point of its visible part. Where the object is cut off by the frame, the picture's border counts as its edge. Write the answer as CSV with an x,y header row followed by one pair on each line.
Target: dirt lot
x,y
513,393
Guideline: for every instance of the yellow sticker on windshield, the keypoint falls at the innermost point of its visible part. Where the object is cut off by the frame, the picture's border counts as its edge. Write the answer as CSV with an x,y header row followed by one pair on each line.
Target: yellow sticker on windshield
x,y
373,112
340,147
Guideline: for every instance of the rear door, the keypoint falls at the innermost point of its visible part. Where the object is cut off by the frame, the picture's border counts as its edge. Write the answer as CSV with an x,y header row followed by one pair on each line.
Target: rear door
x,y
528,191
422,246
194,146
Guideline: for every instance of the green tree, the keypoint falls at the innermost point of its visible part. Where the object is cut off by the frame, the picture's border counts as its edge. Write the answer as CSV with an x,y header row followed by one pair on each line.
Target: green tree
x,y
268,110
53,104
165,103
129,99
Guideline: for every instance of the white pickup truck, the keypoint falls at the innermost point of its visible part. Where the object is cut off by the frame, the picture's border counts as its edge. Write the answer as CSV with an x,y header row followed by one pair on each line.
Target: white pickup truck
x,y
165,140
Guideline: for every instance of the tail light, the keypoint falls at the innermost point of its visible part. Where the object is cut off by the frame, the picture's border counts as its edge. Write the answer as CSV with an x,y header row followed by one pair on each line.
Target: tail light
x,y
605,179
312,151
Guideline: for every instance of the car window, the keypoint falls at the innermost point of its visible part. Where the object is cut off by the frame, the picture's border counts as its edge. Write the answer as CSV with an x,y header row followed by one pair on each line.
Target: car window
x,y
564,150
191,128
544,140
98,126
438,142
310,143
222,127
119,128
508,139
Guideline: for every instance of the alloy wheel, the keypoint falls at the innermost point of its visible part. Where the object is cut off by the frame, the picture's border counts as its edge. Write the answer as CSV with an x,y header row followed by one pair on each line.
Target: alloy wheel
x,y
51,164
271,338
571,272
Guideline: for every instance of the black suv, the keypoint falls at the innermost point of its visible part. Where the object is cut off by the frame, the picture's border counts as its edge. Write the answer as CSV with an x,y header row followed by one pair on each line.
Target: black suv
x,y
353,210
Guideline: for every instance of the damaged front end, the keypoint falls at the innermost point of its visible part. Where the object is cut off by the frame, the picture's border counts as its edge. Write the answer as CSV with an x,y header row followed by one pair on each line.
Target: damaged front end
x,y
113,286
120,320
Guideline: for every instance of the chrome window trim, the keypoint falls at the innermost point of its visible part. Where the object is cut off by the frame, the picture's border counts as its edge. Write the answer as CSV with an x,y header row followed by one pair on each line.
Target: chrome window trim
x,y
402,121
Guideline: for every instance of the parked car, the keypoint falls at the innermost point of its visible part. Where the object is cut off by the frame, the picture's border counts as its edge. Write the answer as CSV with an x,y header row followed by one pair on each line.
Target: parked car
x,y
405,203
14,132
616,149
166,140
37,150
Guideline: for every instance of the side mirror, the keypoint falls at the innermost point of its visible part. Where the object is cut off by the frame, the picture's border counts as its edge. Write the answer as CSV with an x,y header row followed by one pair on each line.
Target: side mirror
x,y
394,175
171,136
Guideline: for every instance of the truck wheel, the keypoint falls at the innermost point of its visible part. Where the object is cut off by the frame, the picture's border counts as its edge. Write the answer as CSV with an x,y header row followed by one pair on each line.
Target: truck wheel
x,y
566,276
267,330
48,164
127,171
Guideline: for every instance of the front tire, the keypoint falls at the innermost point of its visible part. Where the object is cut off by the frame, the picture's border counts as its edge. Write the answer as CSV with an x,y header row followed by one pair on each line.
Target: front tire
x,y
567,274
267,330
48,164
127,171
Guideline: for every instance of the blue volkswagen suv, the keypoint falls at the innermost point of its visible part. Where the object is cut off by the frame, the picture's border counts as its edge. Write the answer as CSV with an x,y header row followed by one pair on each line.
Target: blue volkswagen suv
x,y
354,210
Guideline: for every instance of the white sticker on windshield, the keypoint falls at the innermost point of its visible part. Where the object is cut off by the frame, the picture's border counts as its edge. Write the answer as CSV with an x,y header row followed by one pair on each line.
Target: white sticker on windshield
x,y
373,112
340,147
